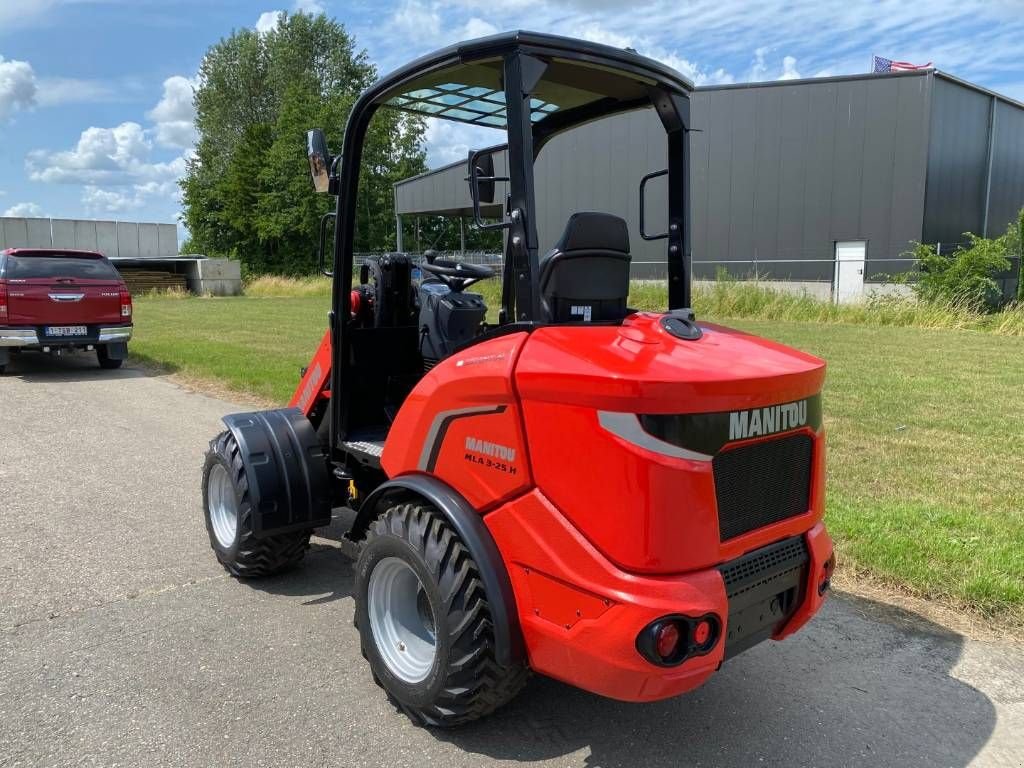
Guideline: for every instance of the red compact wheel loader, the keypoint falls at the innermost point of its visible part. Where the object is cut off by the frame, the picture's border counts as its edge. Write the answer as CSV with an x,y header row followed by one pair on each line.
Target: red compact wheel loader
x,y
621,500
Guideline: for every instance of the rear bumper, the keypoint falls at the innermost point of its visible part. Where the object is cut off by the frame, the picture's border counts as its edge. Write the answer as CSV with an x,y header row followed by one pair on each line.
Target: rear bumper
x,y
581,615
30,337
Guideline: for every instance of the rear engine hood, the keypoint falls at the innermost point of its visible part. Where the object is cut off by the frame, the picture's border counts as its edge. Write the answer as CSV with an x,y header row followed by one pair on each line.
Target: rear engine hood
x,y
639,367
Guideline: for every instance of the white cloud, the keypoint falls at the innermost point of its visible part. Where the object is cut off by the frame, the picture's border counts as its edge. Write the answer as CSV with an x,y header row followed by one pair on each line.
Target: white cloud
x,y
789,70
448,141
478,28
28,210
689,69
98,200
268,21
174,115
418,20
761,70
18,87
104,157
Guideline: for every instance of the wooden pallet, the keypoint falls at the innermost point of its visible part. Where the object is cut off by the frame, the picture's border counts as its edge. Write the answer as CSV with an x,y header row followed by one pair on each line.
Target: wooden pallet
x,y
145,280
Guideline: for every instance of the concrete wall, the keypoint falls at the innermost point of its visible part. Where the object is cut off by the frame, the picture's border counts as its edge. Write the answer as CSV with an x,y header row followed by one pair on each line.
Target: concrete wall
x,y
217,277
123,239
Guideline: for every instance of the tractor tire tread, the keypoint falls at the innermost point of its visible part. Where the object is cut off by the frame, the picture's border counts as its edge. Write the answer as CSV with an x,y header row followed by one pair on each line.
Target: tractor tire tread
x,y
475,683
253,557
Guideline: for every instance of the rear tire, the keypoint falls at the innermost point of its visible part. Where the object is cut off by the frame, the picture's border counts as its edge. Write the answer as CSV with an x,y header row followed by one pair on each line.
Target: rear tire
x,y
229,518
425,623
106,361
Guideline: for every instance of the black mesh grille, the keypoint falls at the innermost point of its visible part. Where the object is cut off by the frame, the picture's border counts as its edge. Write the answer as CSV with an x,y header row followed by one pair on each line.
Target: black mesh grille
x,y
762,483
763,565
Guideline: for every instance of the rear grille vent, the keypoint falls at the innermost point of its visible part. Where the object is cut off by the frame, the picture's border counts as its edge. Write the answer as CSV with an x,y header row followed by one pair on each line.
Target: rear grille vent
x,y
763,565
762,483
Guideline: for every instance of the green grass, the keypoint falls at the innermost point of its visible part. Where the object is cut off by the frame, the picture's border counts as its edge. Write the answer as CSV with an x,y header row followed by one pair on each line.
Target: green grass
x,y
926,456
745,300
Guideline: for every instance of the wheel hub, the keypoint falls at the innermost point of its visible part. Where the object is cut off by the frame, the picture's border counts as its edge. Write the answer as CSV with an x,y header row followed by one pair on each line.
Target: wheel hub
x,y
223,506
401,620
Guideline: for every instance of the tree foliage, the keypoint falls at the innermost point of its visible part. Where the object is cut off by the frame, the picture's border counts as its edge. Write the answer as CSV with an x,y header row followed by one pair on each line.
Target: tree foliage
x,y
247,193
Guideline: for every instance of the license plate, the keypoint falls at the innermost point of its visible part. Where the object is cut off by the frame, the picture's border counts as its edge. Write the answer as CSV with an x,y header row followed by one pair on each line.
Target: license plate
x,y
66,330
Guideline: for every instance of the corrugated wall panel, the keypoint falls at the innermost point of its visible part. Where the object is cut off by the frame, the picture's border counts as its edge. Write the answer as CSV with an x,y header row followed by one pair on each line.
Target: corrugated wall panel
x,y
957,161
816,241
779,172
63,233
910,163
1007,197
39,233
106,238
848,161
877,196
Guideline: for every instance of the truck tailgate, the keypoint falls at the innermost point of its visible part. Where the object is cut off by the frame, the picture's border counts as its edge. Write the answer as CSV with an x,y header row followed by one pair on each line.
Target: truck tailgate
x,y
35,301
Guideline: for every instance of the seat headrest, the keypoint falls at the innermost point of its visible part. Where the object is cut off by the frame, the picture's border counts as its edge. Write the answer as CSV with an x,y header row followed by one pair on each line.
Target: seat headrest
x,y
590,230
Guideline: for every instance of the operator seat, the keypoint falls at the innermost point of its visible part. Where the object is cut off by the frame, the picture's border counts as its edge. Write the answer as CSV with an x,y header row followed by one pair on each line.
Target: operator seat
x,y
585,277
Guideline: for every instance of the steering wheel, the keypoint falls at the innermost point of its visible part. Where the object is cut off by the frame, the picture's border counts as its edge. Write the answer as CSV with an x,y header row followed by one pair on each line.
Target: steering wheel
x,y
457,274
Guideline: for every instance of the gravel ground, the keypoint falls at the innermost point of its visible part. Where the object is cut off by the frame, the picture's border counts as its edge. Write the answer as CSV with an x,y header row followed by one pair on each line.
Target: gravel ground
x,y
122,642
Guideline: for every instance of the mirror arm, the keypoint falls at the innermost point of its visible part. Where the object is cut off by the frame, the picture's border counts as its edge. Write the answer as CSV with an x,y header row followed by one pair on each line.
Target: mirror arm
x,y
334,177
643,205
323,231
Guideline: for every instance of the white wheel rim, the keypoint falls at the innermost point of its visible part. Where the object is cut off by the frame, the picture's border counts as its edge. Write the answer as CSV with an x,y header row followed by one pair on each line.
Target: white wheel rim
x,y
401,620
223,505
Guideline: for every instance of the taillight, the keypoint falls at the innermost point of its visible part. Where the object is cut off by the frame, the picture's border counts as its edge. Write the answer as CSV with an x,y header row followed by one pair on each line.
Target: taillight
x,y
671,640
3,300
126,302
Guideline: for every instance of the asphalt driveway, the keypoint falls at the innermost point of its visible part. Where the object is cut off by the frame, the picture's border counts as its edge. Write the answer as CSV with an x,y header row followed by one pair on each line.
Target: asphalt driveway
x,y
122,642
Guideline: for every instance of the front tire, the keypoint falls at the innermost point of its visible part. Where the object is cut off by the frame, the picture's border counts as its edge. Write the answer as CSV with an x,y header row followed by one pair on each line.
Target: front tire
x,y
425,623
229,518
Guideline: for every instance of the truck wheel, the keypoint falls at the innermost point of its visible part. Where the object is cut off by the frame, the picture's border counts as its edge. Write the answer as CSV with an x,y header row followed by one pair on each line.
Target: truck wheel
x,y
229,518
424,620
106,361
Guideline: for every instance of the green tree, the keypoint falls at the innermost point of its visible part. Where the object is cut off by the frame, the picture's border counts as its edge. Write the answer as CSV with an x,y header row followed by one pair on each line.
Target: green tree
x,y
247,192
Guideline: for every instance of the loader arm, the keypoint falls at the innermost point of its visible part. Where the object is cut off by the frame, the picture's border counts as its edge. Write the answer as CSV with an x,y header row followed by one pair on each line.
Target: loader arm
x,y
316,379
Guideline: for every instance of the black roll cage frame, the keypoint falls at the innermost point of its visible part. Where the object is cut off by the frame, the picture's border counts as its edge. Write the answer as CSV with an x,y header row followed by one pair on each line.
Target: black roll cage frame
x,y
524,56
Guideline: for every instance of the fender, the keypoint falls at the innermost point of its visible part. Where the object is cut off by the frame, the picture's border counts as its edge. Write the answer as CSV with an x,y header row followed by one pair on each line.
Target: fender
x,y
286,467
508,637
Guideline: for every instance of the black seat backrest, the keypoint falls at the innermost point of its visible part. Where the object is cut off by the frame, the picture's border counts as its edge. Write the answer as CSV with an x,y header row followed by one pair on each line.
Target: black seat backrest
x,y
585,277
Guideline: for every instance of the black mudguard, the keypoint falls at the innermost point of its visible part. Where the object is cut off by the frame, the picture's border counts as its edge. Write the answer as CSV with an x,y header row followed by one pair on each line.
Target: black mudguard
x,y
117,350
286,467
469,525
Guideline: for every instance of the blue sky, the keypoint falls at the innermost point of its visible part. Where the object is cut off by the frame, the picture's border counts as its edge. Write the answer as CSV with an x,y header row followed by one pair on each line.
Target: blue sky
x,y
95,95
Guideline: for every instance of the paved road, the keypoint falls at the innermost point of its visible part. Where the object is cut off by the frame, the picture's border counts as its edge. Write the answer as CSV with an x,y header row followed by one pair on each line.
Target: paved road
x,y
123,643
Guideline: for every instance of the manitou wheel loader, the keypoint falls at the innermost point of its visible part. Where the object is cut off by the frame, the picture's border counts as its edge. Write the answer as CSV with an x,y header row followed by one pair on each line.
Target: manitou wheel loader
x,y
618,499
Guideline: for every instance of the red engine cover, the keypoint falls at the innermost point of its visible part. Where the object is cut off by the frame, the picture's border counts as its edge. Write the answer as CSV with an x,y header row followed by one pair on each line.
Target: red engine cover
x,y
645,511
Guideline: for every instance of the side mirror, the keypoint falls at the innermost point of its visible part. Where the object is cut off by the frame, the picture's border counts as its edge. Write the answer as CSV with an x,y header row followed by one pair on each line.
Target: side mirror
x,y
481,174
319,160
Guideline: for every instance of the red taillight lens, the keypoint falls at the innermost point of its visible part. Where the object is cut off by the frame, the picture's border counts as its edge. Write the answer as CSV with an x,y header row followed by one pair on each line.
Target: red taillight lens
x,y
702,633
666,641
671,640
126,302
3,300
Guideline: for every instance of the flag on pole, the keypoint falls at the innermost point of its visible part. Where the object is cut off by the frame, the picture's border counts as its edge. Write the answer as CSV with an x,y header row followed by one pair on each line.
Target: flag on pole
x,y
882,64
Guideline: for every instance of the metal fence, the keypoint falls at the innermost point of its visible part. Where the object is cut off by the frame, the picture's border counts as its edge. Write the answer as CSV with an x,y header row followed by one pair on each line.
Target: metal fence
x,y
813,271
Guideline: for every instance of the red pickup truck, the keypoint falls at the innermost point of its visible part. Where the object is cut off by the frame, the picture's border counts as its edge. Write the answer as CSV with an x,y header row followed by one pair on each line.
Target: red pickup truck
x,y
55,300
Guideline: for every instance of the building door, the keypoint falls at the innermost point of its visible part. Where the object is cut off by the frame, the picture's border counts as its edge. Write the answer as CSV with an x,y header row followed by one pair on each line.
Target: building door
x,y
848,282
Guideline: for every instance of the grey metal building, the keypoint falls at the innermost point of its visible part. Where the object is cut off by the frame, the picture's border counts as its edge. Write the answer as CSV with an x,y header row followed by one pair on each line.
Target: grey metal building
x,y
789,178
